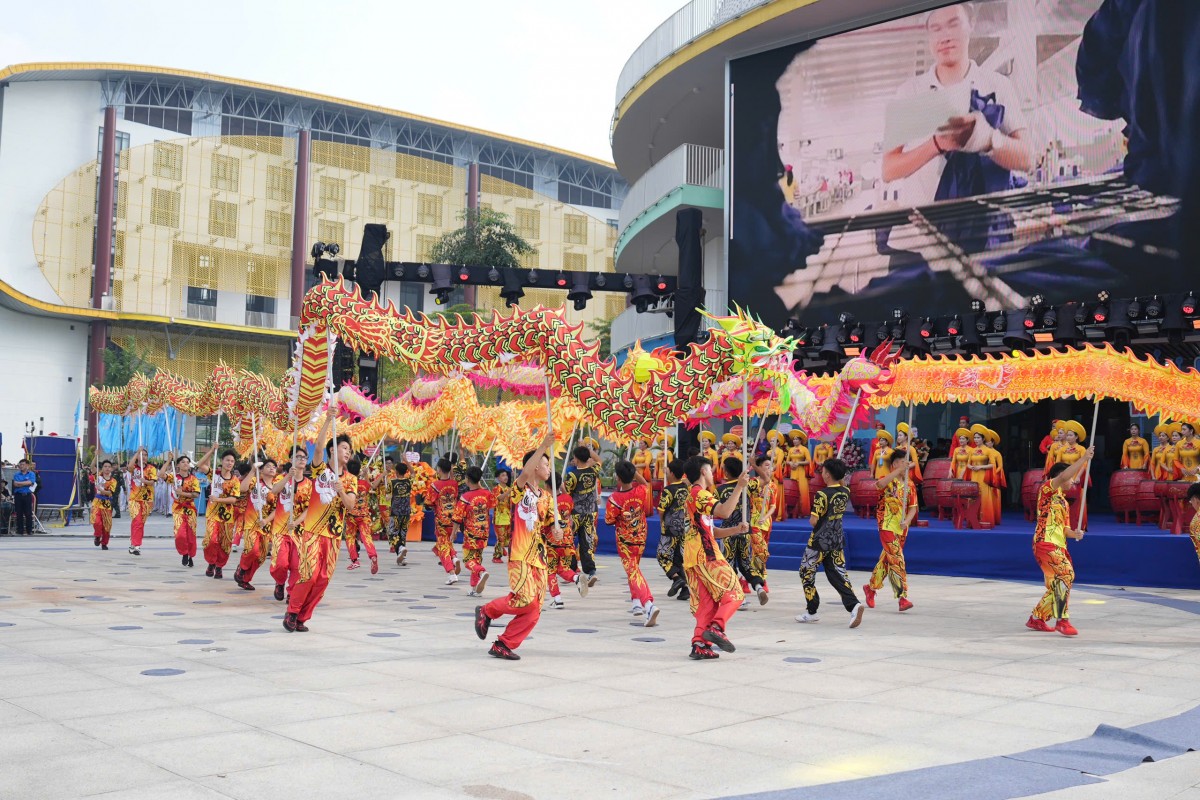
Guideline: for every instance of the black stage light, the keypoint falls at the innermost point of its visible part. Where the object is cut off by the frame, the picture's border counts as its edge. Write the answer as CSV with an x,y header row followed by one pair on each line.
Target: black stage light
x,y
512,291
443,284
580,293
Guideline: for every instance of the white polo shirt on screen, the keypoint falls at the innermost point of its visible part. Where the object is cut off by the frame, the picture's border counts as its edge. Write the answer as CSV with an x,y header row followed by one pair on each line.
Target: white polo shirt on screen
x,y
920,187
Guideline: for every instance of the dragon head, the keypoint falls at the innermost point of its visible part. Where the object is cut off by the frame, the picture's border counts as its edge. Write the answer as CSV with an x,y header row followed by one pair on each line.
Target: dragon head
x,y
754,346
872,373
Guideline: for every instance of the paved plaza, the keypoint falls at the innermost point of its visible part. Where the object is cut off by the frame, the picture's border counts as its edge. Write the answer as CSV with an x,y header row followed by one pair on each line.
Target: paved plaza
x,y
127,677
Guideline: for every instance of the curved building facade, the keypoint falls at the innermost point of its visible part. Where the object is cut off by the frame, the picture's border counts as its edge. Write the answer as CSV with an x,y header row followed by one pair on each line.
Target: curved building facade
x,y
220,188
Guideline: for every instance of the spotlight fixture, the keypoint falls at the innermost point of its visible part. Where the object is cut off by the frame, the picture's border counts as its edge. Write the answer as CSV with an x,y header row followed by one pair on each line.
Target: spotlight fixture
x,y
628,281
463,274
494,275
443,285
333,249
981,324
842,336
642,295
881,334
423,272
1049,318
1081,314
318,250
1000,322
954,326
660,285
601,280
1189,304
977,306
898,313
789,329
926,328
1135,308
512,291
1030,320
1154,307
533,277
818,336
1100,312
580,293
845,317
561,280
856,333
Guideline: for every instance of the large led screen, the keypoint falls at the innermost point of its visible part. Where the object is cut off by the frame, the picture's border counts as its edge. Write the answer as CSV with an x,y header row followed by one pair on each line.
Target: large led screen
x,y
980,151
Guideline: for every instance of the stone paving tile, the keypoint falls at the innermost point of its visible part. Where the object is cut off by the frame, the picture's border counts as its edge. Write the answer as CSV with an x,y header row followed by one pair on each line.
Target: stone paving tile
x,y
151,694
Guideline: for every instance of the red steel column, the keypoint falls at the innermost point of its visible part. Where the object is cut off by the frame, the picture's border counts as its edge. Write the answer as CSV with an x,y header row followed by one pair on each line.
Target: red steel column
x,y
300,222
103,272
472,205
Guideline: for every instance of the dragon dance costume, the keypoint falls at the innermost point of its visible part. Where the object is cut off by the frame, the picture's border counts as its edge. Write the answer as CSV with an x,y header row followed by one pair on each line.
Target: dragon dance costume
x,y
260,516
1050,551
141,501
896,500
712,583
505,497
560,555
219,519
183,515
442,494
583,485
526,569
358,528
294,498
320,537
102,511
627,510
471,514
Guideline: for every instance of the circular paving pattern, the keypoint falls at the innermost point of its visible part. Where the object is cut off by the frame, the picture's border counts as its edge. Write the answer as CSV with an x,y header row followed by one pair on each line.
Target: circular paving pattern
x,y
162,673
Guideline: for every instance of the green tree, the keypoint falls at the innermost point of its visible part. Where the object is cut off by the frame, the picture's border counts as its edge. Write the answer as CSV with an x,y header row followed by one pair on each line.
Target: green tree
x,y
124,360
486,239
255,364
603,330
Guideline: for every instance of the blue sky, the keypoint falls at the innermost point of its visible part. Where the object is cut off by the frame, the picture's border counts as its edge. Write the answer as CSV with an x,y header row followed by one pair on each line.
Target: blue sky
x,y
543,70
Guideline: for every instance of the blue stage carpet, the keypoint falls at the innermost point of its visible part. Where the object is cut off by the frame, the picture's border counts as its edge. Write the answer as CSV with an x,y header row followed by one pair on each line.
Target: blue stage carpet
x,y
1110,553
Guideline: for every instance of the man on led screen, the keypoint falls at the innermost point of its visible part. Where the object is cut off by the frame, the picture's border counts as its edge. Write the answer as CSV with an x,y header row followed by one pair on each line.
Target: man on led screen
x,y
975,151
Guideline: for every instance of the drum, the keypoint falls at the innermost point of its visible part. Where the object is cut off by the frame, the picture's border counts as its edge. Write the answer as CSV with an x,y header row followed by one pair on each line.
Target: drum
x,y
863,494
945,497
1123,491
966,503
656,491
1173,497
1030,484
1146,505
815,483
936,469
791,495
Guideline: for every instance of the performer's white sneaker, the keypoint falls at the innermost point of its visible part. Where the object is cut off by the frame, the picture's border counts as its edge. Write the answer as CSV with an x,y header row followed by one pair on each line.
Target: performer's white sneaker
x,y
745,603
807,617
483,579
856,615
651,615
557,602
457,565
636,609
451,579
581,584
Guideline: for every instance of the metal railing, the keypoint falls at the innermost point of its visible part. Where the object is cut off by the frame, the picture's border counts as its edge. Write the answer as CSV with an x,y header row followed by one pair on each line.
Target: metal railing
x,y
260,319
202,312
683,27
686,165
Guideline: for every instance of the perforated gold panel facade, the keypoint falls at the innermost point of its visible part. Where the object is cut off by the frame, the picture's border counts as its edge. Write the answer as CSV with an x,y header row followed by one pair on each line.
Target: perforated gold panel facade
x,y
195,356
204,224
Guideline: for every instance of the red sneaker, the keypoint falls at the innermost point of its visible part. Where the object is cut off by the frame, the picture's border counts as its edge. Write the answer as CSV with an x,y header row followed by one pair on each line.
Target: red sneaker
x,y
1035,624
500,650
1066,628
870,595
905,604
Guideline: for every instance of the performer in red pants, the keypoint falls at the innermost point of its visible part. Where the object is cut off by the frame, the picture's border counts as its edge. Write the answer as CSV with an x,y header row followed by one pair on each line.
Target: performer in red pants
x,y
186,488
294,492
1050,546
471,516
627,510
442,494
895,513
561,553
715,593
142,477
258,527
333,495
533,520
102,510
358,521
218,534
